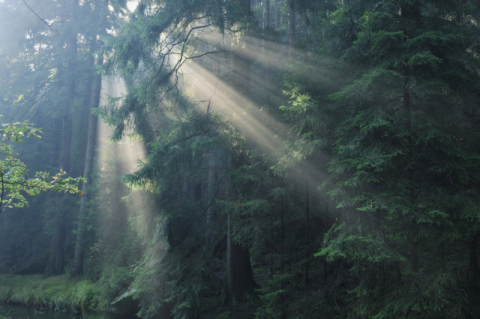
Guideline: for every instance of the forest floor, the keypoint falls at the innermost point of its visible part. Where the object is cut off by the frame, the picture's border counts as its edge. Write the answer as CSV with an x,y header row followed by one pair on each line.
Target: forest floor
x,y
57,293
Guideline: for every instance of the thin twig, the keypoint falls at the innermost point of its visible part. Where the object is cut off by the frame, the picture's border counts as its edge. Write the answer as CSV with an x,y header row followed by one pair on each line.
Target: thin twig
x,y
40,17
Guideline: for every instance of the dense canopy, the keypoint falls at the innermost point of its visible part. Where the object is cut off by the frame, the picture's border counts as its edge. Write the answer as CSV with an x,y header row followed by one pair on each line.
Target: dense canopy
x,y
241,158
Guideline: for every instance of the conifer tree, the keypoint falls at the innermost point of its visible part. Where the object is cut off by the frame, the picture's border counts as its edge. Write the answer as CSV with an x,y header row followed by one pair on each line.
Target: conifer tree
x,y
401,158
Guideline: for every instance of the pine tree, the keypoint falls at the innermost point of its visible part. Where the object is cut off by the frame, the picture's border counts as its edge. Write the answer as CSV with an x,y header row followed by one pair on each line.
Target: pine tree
x,y
402,158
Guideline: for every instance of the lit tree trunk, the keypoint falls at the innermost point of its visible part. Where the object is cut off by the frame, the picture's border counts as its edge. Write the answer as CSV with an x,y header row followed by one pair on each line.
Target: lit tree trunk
x,y
92,133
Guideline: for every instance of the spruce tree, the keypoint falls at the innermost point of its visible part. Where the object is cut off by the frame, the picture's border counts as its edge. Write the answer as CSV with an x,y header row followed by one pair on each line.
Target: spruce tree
x,y
402,156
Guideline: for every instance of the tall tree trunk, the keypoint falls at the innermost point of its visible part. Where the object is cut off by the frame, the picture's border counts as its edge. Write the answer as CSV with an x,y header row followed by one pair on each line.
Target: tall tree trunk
x,y
277,14
57,247
282,266
55,151
53,198
216,189
50,268
60,244
307,221
87,174
65,154
325,229
267,14
239,270
291,25
267,67
82,143
311,19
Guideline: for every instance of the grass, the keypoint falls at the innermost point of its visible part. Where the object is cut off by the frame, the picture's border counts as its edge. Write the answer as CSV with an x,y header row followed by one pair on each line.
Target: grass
x,y
58,293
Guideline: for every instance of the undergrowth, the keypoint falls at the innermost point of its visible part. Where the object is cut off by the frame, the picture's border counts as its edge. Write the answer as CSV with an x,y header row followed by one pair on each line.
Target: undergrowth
x,y
59,293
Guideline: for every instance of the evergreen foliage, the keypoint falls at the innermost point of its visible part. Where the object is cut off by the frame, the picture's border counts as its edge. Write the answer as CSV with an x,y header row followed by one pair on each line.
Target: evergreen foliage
x,y
304,159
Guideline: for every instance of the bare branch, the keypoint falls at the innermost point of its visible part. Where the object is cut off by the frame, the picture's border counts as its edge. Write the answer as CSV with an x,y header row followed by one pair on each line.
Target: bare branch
x,y
40,17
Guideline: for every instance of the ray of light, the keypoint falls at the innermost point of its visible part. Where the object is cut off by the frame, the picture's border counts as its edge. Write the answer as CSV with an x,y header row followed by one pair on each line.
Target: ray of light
x,y
274,54
114,160
263,130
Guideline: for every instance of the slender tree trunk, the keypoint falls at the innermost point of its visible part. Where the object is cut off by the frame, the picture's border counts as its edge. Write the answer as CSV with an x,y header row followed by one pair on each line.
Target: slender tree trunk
x,y
307,221
57,247
267,14
92,133
55,151
53,198
60,244
282,255
81,143
267,70
291,25
65,154
311,19
50,268
277,15
66,151
325,229
271,247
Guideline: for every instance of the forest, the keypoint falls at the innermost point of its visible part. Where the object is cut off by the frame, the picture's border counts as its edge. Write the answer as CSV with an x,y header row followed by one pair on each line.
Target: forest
x,y
226,159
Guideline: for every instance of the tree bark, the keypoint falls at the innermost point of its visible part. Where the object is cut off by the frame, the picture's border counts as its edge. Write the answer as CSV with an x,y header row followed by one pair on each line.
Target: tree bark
x,y
282,266
216,189
267,14
311,19
325,229
267,67
240,280
307,221
57,247
92,133
291,25
239,271
55,151
277,15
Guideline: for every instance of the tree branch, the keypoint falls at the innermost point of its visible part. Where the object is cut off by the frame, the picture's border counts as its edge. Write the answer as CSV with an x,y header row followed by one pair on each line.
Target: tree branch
x,y
40,17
